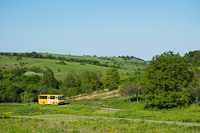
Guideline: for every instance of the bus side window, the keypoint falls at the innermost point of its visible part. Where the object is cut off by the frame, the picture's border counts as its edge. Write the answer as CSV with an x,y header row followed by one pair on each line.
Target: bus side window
x,y
61,97
52,97
43,97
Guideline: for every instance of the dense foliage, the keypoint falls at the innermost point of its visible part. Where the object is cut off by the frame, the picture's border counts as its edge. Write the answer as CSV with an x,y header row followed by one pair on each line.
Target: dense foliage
x,y
193,57
167,80
111,79
129,57
25,84
131,86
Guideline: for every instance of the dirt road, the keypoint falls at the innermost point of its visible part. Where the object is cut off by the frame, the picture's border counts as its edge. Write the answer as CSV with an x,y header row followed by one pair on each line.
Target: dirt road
x,y
103,95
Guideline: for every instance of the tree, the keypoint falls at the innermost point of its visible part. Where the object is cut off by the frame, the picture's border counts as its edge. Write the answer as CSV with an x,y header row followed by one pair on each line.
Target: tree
x,y
39,89
49,80
69,92
12,94
166,80
111,78
89,82
70,80
137,79
61,62
193,57
127,90
194,90
70,86
2,90
132,85
27,97
33,79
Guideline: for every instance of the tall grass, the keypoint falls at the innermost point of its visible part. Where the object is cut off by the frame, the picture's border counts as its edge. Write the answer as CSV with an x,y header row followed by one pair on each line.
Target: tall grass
x,y
92,107
87,116
73,124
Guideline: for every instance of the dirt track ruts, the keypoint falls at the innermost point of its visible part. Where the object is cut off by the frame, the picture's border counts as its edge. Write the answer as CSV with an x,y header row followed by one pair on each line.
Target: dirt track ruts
x,y
99,95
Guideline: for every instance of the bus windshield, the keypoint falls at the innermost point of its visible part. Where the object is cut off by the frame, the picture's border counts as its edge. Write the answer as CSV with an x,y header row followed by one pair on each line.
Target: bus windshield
x,y
61,98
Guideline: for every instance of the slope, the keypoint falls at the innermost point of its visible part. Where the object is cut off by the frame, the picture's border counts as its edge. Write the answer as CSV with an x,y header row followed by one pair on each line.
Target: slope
x,y
60,71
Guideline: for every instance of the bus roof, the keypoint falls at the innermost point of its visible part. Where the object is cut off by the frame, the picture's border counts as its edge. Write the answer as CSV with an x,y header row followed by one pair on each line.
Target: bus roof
x,y
49,95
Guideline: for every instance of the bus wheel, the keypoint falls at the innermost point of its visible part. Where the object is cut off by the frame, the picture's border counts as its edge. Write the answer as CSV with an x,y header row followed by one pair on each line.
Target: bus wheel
x,y
43,103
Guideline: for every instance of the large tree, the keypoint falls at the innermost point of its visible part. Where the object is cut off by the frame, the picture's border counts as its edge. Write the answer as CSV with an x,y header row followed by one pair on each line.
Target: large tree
x,y
127,90
71,85
167,79
70,80
195,90
89,82
132,85
12,93
111,78
48,79
194,57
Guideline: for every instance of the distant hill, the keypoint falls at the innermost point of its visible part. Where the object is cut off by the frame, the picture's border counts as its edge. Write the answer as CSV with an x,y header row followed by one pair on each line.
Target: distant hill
x,y
62,64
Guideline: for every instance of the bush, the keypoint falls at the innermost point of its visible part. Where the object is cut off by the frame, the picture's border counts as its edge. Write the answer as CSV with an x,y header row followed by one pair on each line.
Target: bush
x,y
61,62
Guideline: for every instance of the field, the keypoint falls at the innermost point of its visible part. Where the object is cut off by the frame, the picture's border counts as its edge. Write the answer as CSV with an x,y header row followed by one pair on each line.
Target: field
x,y
131,64
97,115
103,111
61,71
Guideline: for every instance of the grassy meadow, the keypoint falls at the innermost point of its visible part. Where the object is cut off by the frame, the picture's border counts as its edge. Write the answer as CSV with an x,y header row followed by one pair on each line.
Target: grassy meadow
x,y
91,116
61,71
132,64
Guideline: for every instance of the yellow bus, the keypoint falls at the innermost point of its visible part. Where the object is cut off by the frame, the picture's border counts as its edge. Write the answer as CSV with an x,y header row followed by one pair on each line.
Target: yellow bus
x,y
51,99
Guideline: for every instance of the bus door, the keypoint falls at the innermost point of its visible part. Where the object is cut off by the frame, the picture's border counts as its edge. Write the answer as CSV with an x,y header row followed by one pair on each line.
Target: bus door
x,y
56,100
48,100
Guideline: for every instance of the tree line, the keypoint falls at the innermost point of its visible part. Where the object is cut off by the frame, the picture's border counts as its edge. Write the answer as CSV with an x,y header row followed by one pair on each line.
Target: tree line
x,y
129,57
123,57
169,81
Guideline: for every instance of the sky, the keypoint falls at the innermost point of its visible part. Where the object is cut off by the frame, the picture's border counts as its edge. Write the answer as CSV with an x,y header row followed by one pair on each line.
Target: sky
x,y
140,28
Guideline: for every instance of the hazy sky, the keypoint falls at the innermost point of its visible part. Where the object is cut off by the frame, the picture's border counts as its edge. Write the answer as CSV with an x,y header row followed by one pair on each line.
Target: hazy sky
x,y
141,28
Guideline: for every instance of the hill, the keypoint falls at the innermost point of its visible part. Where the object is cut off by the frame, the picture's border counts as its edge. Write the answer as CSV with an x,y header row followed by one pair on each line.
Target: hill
x,y
126,65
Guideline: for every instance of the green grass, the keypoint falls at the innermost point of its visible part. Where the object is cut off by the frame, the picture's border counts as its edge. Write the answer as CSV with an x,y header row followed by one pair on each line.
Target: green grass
x,y
87,116
128,64
12,63
88,124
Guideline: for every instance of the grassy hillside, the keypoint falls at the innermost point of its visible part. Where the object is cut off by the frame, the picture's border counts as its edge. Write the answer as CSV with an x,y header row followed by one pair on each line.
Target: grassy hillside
x,y
60,71
131,64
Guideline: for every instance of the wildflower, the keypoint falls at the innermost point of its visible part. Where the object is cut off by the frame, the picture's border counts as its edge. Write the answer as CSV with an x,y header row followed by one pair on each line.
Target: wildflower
x,y
6,113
